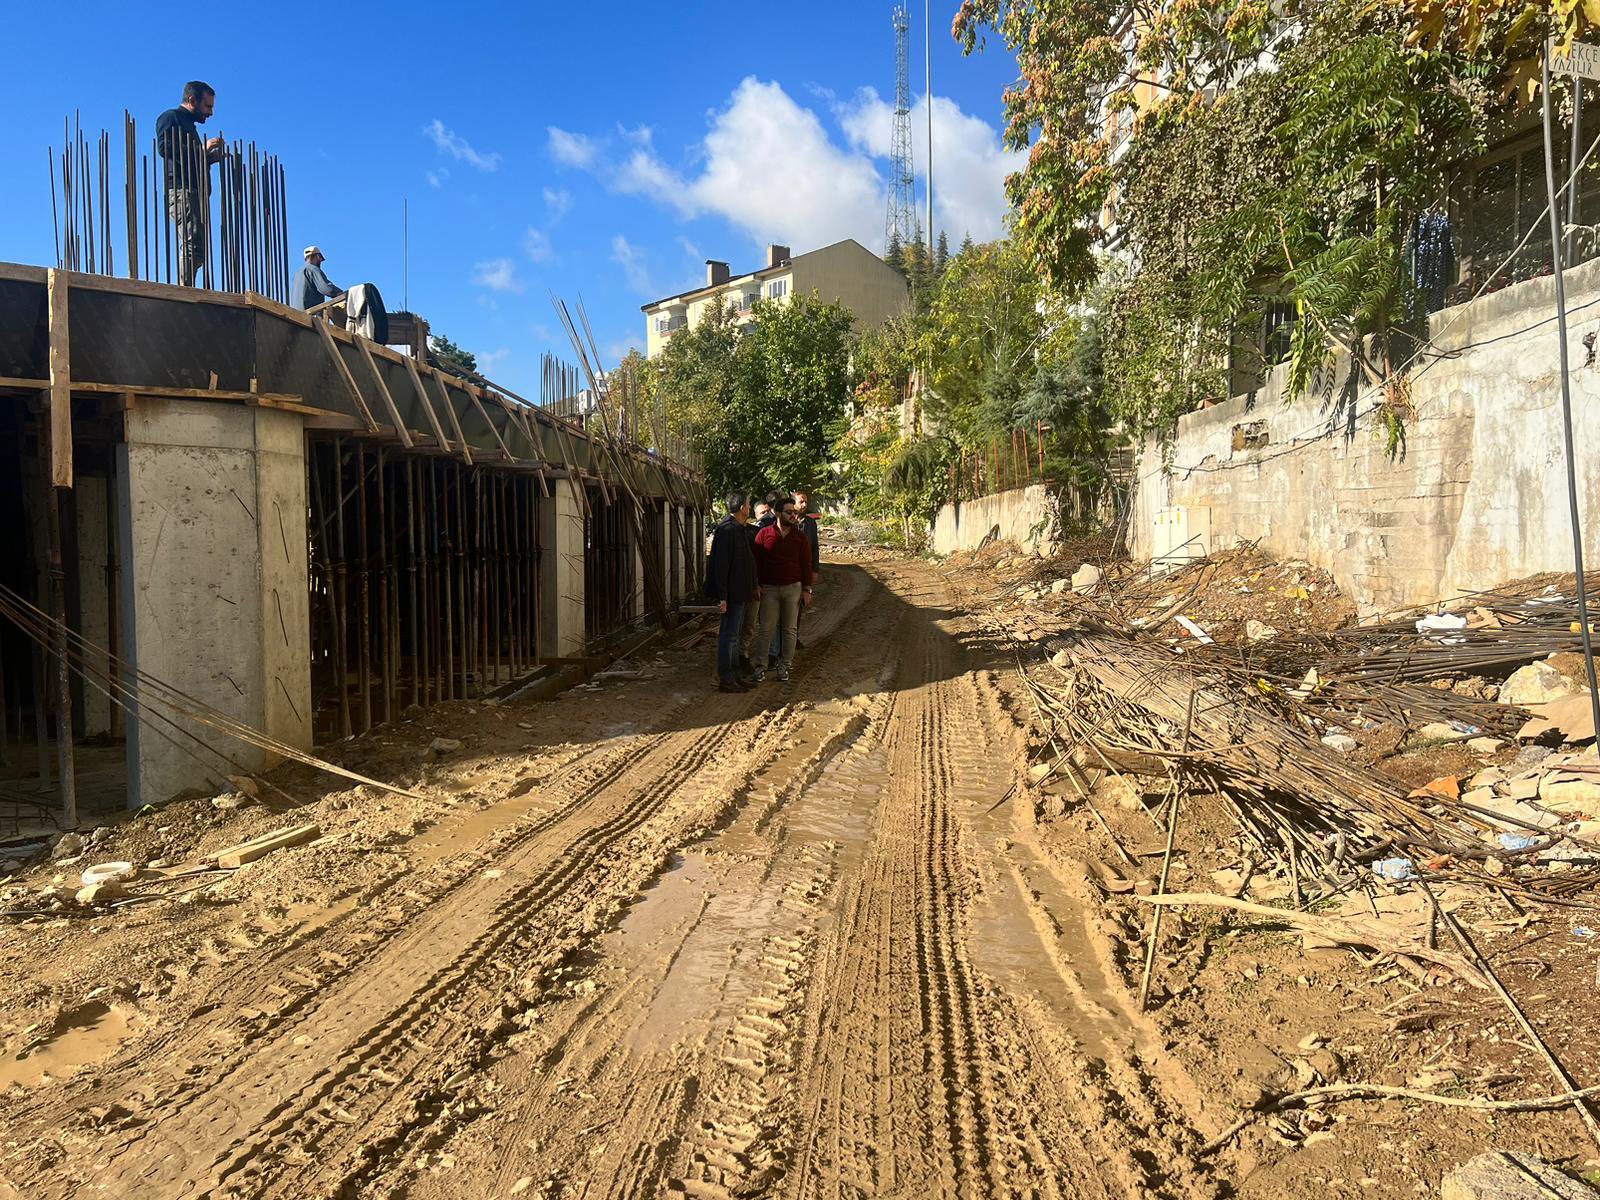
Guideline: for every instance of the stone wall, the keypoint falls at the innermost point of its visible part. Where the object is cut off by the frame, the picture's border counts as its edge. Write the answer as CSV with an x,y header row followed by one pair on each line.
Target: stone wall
x,y
1475,495
1025,516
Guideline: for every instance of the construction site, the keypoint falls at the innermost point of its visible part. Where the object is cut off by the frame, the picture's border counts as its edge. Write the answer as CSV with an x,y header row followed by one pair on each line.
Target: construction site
x,y
393,803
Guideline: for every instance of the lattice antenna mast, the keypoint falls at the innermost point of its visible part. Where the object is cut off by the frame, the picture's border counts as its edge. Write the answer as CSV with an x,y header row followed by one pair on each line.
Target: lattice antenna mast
x,y
900,224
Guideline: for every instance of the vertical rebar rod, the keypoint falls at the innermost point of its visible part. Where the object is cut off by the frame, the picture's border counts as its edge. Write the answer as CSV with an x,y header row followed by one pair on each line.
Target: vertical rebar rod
x,y
411,580
447,583
340,614
385,616
364,616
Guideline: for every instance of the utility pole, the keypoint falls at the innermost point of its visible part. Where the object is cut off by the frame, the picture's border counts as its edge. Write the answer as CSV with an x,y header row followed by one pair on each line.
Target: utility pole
x,y
927,64
1558,265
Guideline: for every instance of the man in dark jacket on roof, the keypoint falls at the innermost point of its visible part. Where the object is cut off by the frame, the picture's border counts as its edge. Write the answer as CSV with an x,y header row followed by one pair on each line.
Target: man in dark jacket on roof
x,y
186,167
731,582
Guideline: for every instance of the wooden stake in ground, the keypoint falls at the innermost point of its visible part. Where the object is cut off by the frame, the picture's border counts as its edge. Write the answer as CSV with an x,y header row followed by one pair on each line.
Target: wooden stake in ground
x,y
1180,785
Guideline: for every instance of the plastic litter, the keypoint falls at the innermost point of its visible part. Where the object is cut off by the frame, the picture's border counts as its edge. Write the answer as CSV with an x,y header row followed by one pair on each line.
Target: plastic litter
x,y
1396,869
1517,841
1436,624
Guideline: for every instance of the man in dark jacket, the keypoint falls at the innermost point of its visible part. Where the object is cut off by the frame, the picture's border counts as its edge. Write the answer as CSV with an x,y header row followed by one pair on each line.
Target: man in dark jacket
x,y
808,525
731,582
186,163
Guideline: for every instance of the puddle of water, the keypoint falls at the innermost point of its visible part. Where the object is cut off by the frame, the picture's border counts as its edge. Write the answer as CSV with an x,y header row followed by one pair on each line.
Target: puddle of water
x,y
727,917
1036,946
734,909
457,833
95,1032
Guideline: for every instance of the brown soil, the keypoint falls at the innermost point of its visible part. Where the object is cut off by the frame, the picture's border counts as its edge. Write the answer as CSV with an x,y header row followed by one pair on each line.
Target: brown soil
x,y
817,940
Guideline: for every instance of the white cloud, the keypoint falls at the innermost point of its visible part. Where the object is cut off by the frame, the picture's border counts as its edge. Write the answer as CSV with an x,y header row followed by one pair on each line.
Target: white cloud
x,y
572,149
537,245
497,274
969,170
557,202
632,261
488,361
437,178
457,147
690,249
769,166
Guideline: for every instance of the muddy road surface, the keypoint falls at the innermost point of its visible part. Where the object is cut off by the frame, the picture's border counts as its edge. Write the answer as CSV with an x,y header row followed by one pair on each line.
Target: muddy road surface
x,y
791,943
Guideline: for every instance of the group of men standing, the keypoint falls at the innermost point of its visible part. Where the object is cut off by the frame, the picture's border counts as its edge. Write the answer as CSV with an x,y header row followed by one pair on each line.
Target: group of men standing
x,y
761,573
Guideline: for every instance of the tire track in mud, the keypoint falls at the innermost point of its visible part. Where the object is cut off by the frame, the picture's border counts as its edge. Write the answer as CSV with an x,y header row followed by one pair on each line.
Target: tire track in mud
x,y
350,1044
921,1075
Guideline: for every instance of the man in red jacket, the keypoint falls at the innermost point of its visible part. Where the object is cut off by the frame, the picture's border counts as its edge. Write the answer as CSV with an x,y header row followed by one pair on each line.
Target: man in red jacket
x,y
785,573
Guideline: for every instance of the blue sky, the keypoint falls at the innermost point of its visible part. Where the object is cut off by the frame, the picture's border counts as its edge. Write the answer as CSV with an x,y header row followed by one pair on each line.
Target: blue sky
x,y
605,155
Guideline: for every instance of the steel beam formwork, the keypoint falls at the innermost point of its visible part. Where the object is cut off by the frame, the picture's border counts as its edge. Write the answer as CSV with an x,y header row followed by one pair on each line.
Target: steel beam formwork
x,y
424,580
609,566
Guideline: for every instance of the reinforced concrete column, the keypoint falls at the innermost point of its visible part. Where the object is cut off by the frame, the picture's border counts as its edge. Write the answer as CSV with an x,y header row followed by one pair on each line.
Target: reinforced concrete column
x,y
561,626
663,521
214,592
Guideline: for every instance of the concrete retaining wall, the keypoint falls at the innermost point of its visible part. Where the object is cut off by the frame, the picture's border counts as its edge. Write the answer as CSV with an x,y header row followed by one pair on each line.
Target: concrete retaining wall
x,y
1025,516
1477,494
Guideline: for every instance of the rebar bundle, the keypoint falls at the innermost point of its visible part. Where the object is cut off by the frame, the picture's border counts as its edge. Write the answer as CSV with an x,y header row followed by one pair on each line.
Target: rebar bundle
x,y
241,209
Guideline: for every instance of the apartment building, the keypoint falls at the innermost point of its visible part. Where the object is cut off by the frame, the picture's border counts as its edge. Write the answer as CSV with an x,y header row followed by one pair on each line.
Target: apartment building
x,y
845,272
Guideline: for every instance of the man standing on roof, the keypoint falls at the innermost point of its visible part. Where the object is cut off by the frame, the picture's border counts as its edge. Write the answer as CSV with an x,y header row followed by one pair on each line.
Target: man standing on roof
x,y
187,173
311,285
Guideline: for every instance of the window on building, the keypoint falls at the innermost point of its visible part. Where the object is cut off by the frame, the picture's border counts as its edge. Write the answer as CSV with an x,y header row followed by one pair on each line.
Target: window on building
x,y
1276,331
777,289
663,324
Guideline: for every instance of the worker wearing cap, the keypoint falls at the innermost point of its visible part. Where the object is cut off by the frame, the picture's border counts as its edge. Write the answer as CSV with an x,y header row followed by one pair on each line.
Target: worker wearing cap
x,y
311,286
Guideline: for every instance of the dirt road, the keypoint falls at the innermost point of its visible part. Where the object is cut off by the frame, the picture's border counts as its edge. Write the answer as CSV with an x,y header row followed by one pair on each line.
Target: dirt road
x,y
791,943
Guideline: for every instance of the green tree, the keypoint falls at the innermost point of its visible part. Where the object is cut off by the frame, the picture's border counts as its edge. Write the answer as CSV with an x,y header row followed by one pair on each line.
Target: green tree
x,y
759,402
895,253
1081,91
1296,187
451,355
983,333
941,256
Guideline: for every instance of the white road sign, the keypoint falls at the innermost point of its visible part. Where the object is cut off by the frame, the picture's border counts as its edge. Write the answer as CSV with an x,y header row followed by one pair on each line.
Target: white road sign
x,y
1583,59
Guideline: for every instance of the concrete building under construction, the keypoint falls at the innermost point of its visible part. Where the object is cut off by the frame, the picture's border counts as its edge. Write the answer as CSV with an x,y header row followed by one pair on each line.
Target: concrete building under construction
x,y
219,508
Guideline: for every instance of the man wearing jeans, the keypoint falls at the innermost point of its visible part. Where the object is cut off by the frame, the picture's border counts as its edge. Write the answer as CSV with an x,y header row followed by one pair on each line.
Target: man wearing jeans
x,y
186,163
785,576
731,582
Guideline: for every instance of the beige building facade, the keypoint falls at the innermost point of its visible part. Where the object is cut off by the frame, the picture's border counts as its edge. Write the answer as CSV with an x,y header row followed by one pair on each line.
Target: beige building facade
x,y
846,273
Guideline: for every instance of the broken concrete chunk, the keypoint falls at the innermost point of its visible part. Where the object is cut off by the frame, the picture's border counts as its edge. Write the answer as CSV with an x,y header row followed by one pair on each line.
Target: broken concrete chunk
x,y
1085,578
100,893
1565,794
1535,683
1259,631
444,745
1059,586
1442,731
230,801
69,845
1570,716
1342,742
1484,745
1061,659
1511,1175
